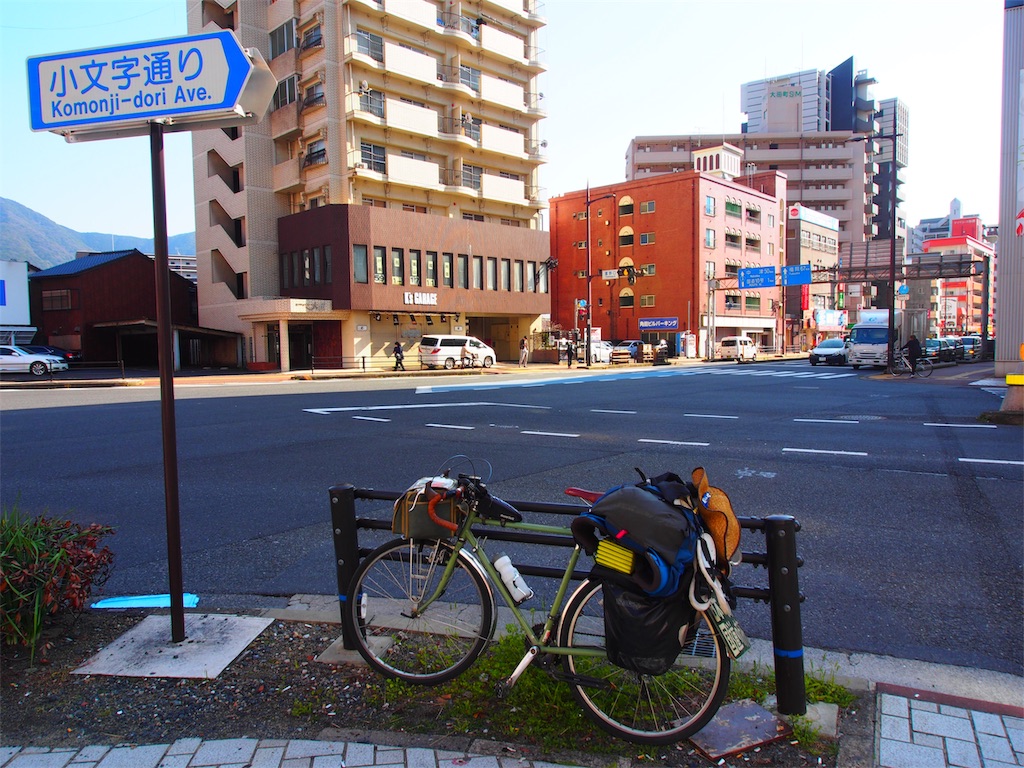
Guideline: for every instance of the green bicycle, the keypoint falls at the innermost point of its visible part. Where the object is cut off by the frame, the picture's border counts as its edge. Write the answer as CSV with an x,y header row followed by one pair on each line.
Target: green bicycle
x,y
423,609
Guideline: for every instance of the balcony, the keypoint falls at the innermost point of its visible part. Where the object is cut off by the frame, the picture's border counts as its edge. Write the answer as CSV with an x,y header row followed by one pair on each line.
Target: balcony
x,y
501,92
499,140
411,118
310,159
419,12
499,43
311,102
410,64
412,172
286,176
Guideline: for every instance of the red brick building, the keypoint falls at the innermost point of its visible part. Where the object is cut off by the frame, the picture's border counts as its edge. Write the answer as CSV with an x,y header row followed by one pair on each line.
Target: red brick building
x,y
653,243
104,304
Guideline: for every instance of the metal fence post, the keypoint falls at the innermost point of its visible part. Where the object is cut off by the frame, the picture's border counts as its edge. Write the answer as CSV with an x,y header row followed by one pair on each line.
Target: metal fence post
x,y
787,630
346,546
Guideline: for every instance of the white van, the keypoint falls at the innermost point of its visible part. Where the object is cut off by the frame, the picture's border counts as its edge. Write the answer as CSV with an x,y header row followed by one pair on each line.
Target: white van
x,y
742,349
439,350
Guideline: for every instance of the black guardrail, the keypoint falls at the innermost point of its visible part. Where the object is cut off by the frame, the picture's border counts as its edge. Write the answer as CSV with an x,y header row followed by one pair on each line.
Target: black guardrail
x,y
779,558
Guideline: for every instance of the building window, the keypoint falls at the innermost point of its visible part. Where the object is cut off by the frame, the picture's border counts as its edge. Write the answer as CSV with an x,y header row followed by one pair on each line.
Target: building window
x,y
307,268
329,264
63,298
283,263
410,208
447,267
316,153
379,256
318,268
506,274
732,301
752,303
372,102
709,238
531,277
753,243
471,175
370,45
732,270
518,284
463,274
542,278
733,209
732,240
285,93
647,269
492,274
771,219
478,272
646,238
314,96
312,38
647,300
470,76
373,202
373,156
510,222
397,266
626,298
472,216
647,207
414,267
626,236
431,265
753,216
282,39
709,205
625,207
296,269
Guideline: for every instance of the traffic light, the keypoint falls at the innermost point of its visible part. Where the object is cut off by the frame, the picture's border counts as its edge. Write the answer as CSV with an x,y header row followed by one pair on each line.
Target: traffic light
x,y
630,273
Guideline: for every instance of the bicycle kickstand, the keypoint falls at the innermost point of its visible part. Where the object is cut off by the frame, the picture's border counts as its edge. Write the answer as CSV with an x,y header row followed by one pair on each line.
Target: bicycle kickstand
x,y
506,685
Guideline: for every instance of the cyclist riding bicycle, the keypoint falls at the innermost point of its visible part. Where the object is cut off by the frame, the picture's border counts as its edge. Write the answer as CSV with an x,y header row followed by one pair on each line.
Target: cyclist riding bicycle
x,y
913,350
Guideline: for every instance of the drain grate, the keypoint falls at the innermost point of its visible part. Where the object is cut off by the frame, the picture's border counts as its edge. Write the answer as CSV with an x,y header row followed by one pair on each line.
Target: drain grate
x,y
871,417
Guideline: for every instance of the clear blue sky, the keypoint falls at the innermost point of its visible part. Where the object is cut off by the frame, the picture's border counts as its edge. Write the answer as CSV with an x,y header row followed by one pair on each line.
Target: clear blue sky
x,y
615,70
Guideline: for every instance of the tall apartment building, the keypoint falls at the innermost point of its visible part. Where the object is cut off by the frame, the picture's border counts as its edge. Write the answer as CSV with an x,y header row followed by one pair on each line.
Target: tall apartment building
x,y
937,226
824,170
640,255
392,188
810,101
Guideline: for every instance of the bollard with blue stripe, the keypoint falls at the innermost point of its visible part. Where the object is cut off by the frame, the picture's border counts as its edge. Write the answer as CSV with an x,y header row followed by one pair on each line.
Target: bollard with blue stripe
x,y
787,629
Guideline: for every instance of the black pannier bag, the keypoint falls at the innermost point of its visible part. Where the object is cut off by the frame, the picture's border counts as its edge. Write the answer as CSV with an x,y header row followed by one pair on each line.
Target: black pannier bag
x,y
643,633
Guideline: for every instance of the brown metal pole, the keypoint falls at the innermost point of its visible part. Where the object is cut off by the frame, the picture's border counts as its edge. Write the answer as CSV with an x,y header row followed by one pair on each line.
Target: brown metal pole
x,y
166,357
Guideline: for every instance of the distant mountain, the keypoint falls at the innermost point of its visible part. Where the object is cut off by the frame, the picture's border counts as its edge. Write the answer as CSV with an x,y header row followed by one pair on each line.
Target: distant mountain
x,y
29,236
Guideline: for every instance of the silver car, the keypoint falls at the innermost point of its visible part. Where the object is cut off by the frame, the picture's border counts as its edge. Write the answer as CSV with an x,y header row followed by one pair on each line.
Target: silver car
x,y
14,358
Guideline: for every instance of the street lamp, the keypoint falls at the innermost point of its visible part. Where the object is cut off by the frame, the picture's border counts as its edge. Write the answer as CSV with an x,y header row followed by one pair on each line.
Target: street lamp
x,y
590,276
892,243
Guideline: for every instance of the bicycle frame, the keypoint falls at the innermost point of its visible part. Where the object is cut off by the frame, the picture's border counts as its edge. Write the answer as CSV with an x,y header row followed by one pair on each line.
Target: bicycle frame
x,y
465,536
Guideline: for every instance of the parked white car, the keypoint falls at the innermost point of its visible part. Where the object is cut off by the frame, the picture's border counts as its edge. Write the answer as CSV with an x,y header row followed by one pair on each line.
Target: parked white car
x,y
739,348
21,360
600,352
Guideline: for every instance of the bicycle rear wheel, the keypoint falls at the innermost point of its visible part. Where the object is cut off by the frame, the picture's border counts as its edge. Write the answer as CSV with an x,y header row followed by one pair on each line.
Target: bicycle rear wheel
x,y
643,709
924,368
430,646
899,367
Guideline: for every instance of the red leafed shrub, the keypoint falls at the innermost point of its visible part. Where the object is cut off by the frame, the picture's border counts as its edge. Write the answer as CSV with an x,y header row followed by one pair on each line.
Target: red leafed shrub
x,y
47,567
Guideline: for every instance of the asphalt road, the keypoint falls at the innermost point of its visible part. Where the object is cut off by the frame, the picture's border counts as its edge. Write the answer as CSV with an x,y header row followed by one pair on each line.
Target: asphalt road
x,y
911,510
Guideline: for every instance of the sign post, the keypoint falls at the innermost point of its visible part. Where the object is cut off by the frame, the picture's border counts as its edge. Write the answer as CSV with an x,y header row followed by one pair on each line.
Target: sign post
x,y
179,84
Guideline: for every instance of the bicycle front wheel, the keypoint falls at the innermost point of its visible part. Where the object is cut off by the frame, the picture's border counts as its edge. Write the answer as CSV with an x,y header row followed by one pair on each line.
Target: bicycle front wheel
x,y
643,709
924,368
396,637
899,367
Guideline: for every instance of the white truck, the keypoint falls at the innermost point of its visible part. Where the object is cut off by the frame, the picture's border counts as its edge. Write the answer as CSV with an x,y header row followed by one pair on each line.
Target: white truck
x,y
869,336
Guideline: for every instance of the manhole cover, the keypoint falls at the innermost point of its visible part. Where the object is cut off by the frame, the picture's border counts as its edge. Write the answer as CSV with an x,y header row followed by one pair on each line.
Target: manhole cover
x,y
863,418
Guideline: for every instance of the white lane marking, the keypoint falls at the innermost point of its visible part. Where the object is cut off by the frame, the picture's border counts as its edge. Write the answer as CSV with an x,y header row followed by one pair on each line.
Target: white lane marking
x,y
610,410
708,416
960,426
992,461
370,418
833,453
672,442
548,434
415,406
450,426
827,421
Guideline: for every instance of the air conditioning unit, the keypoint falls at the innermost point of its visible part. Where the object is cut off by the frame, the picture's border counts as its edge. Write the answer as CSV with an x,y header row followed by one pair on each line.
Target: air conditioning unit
x,y
361,166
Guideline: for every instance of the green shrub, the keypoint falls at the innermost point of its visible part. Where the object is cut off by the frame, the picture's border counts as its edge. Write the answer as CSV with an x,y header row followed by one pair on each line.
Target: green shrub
x,y
47,567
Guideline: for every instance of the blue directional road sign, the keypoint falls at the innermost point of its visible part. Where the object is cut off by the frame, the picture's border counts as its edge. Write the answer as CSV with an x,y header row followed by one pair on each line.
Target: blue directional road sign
x,y
797,274
190,76
757,277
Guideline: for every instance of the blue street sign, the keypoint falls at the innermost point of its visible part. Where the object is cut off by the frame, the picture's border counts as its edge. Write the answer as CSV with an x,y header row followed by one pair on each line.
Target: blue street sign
x,y
797,274
657,323
182,76
757,277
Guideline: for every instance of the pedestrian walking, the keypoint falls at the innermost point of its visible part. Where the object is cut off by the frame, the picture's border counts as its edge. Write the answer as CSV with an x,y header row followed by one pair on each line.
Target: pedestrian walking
x,y
524,352
913,350
399,356
570,352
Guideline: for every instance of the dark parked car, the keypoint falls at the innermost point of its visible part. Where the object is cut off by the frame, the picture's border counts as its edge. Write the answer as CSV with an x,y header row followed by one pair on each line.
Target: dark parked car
x,y
44,349
830,352
958,347
939,351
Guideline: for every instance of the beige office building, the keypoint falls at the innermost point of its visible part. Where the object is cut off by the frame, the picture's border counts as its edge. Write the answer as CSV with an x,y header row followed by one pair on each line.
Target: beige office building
x,y
402,129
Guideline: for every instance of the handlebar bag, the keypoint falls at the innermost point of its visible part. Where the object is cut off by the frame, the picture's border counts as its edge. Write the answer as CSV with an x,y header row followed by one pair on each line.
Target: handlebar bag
x,y
411,518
